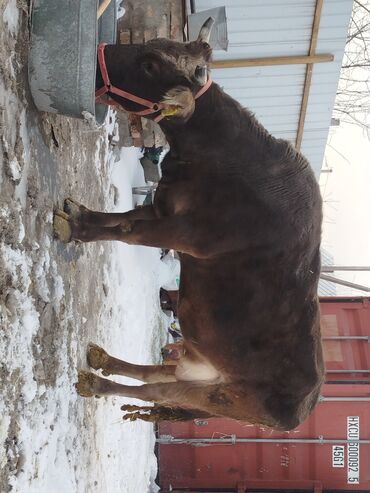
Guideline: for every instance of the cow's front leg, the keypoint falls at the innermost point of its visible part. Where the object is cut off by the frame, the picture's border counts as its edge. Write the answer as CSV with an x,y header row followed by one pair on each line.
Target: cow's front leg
x,y
81,214
183,233
99,359
78,223
68,229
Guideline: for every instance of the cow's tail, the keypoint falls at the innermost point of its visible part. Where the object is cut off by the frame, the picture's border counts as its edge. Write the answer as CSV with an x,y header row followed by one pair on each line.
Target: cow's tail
x,y
157,413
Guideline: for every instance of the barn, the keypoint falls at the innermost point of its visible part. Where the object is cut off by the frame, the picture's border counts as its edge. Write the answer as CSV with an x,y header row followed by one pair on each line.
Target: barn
x,y
283,62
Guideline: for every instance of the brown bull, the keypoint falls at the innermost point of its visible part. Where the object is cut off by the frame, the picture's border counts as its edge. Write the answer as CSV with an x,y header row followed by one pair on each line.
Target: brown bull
x,y
243,210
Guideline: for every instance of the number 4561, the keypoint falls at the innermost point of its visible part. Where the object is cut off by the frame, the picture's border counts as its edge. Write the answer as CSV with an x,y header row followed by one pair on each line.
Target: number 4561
x,y
338,455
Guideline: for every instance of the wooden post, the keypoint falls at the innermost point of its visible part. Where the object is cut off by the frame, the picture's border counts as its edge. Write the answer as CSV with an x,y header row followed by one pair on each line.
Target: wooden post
x,y
309,70
279,60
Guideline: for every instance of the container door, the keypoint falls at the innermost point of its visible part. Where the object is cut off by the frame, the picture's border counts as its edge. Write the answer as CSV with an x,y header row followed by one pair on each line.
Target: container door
x,y
325,448
346,339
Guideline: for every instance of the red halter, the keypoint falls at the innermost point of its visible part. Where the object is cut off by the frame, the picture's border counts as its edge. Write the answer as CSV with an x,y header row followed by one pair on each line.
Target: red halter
x,y
108,87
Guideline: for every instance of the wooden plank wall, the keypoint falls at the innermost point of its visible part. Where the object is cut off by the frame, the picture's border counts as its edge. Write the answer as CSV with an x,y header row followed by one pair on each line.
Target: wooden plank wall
x,y
144,20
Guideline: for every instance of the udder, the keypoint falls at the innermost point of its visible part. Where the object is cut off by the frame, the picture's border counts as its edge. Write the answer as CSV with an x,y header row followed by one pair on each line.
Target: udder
x,y
193,370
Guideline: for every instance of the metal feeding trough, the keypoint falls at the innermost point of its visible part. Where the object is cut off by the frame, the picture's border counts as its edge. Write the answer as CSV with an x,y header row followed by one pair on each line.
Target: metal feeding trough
x,y
62,58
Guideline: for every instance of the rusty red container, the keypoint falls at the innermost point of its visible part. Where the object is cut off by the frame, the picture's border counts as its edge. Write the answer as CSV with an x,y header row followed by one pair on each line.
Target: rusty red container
x,y
329,452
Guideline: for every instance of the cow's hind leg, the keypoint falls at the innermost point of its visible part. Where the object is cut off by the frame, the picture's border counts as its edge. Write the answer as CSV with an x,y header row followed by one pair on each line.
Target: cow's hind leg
x,y
223,399
90,384
99,359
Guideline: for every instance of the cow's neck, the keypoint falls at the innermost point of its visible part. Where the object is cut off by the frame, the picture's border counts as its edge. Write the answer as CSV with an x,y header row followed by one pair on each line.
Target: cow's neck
x,y
218,122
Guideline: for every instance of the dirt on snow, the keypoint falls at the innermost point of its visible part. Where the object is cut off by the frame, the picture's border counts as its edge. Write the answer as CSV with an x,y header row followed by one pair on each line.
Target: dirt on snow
x,y
55,298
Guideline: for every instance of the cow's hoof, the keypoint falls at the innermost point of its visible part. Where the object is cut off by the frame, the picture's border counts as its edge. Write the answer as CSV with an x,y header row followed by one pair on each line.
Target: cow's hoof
x,y
88,384
97,358
62,227
73,208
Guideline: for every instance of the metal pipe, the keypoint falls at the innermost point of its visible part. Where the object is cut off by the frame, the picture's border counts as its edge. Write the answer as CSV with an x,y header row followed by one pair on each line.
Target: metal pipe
x,y
344,399
332,268
335,280
232,439
347,382
347,338
347,371
144,189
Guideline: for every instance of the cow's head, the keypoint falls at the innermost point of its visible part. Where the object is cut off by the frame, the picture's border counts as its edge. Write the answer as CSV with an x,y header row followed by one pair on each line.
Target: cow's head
x,y
162,71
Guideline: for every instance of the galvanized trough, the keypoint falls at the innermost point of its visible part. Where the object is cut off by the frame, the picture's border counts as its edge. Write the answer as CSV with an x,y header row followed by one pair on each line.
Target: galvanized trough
x,y
62,58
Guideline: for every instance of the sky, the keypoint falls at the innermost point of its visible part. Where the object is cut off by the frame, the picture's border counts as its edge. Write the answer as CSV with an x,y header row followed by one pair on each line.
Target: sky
x,y
346,195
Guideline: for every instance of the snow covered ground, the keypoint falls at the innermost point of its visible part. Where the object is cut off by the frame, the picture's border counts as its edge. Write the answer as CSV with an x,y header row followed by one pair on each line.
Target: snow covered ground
x,y
55,298
61,442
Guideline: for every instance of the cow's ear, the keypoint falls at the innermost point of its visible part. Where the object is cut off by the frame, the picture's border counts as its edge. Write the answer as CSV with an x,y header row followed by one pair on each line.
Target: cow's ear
x,y
178,102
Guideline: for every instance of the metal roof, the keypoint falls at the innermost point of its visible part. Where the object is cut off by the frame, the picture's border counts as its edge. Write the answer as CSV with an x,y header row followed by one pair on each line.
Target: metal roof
x,y
326,288
273,28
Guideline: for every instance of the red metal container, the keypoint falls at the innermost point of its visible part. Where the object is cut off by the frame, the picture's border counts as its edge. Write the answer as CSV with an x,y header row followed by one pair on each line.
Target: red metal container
x,y
330,451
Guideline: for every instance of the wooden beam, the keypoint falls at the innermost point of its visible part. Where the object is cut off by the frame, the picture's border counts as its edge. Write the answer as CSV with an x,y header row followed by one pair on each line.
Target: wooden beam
x,y
102,8
278,60
308,77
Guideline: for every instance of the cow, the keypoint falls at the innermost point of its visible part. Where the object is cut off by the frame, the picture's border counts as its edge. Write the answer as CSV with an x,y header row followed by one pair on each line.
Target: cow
x,y
243,210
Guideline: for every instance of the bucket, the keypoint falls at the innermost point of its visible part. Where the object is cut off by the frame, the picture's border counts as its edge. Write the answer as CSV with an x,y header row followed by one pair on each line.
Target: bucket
x,y
62,58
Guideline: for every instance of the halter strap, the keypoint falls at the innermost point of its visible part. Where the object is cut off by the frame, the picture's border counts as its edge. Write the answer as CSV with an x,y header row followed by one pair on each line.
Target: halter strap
x,y
151,107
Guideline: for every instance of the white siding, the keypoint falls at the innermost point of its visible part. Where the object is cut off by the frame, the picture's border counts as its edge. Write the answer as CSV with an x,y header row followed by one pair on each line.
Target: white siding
x,y
261,28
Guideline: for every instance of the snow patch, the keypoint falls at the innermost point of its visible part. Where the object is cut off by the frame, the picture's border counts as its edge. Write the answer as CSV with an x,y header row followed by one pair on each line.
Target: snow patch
x,y
14,169
11,16
21,190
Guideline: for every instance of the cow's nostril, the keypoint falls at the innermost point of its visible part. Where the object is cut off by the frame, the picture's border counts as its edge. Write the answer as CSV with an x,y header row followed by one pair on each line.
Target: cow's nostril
x,y
155,107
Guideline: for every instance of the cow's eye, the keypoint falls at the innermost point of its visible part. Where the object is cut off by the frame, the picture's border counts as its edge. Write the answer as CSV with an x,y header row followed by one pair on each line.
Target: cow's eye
x,y
150,67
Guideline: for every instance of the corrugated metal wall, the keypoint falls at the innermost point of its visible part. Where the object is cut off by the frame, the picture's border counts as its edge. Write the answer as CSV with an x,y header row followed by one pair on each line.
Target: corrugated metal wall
x,y
269,457
262,28
327,288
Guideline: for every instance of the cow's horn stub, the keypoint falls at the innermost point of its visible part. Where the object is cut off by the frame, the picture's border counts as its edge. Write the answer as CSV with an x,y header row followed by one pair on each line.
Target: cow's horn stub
x,y
205,30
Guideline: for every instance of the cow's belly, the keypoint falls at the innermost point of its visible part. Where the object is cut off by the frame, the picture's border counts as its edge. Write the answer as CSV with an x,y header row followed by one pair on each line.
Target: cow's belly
x,y
223,315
